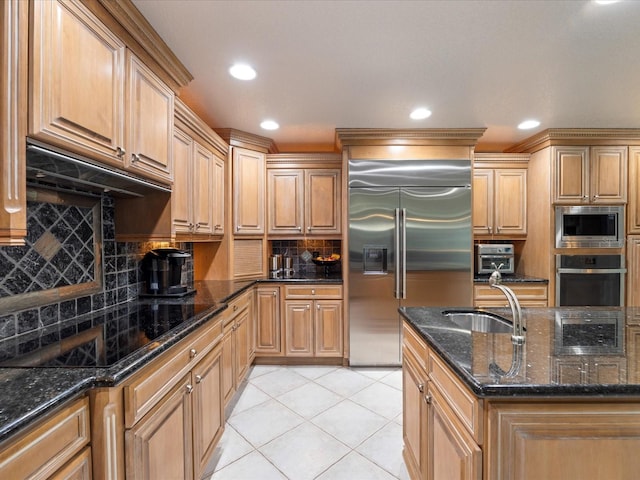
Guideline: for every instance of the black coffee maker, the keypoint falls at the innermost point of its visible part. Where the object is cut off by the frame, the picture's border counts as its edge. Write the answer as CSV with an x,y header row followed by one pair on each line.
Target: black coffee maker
x,y
162,268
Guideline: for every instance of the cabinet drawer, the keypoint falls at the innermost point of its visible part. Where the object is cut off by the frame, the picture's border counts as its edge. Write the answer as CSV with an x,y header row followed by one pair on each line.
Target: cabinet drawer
x,y
312,291
524,292
464,404
47,447
236,306
154,381
412,342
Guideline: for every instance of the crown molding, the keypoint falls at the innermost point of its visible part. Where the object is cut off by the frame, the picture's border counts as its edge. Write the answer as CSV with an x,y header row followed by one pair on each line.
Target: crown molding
x,y
307,159
430,136
238,138
187,118
577,136
501,158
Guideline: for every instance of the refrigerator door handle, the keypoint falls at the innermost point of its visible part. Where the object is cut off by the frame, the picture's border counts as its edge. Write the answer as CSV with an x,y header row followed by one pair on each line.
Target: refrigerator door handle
x,y
403,255
397,292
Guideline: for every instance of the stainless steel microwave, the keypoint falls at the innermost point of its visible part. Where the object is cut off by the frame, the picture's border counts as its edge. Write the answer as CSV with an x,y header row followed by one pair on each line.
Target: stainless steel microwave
x,y
590,226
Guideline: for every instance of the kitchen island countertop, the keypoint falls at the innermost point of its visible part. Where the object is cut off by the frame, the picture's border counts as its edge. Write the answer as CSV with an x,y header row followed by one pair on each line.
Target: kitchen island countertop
x,y
563,351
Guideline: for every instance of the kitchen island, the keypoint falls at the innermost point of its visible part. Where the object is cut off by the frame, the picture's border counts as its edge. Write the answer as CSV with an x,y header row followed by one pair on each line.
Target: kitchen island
x,y
566,404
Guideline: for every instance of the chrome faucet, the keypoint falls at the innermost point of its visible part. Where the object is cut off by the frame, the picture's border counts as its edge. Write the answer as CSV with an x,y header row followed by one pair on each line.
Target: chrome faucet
x,y
518,331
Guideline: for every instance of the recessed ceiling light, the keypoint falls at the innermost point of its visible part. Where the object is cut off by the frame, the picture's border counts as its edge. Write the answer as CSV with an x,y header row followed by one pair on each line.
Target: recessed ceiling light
x,y
606,2
528,124
242,71
420,114
270,125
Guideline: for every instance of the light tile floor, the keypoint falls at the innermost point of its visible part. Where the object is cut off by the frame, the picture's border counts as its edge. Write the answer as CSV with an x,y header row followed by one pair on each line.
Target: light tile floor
x,y
314,422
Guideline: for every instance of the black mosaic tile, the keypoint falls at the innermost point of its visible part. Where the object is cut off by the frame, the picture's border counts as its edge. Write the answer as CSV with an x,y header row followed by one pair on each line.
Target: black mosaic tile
x,y
18,283
7,326
49,314
97,301
67,309
83,305
27,320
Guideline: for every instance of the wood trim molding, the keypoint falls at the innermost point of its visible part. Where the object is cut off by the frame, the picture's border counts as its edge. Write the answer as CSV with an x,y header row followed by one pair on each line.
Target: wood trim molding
x,y
238,138
577,136
496,160
309,160
427,136
189,119
125,13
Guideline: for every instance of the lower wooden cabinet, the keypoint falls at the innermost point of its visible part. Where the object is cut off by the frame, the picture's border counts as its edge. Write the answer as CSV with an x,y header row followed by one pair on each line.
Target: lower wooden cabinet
x,y
530,294
268,340
176,438
414,416
236,344
57,447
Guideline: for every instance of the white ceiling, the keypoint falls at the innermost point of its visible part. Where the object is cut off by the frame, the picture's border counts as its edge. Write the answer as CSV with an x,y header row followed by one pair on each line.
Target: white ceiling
x,y
366,64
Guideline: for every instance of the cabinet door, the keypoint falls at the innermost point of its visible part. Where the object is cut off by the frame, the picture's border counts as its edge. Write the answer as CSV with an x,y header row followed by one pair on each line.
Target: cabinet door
x,y
268,321
77,92
328,328
483,202
241,343
510,199
323,201
452,452
208,410
149,123
228,373
633,271
608,174
248,192
633,209
570,174
218,196
414,416
14,26
285,208
160,445
203,162
79,468
298,328
182,191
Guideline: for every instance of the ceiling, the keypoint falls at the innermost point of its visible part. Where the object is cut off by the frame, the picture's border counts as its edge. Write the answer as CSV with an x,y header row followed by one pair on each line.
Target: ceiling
x,y
332,64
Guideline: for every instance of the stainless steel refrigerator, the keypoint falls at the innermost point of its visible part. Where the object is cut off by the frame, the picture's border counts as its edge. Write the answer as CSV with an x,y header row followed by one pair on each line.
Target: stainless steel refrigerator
x,y
410,244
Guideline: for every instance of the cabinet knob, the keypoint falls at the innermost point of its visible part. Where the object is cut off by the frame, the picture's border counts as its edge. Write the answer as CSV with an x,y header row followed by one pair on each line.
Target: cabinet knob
x,y
198,378
120,152
198,225
308,229
299,229
135,158
235,308
193,352
318,306
217,227
189,388
308,306
274,293
421,387
313,292
428,399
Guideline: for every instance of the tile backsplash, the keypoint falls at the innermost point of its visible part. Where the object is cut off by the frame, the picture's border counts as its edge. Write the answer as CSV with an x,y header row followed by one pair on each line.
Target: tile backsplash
x,y
295,248
67,233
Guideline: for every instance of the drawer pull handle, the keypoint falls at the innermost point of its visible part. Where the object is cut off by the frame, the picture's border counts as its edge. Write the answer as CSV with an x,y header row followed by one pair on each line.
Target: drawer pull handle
x,y
189,388
428,399
193,352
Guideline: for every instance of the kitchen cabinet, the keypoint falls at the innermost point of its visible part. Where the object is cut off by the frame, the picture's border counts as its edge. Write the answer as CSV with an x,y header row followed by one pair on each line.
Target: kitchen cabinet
x,y
248,191
633,209
92,96
633,271
530,294
442,426
500,195
236,344
304,201
596,174
313,321
56,447
14,24
173,409
607,370
218,211
268,341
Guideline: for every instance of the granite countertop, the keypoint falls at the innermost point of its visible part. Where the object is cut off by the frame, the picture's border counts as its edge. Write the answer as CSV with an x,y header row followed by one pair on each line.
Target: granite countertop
x,y
569,341
509,278
30,391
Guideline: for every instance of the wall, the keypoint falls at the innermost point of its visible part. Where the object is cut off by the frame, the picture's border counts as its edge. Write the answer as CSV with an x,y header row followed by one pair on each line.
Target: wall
x,y
121,273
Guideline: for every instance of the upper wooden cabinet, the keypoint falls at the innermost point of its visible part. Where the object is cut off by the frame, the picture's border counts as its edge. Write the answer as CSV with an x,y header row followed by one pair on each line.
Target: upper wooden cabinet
x,y
14,21
248,191
595,174
304,194
500,195
92,96
633,209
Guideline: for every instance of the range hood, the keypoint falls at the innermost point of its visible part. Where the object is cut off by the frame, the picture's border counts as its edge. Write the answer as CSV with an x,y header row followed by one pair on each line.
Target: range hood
x,y
49,167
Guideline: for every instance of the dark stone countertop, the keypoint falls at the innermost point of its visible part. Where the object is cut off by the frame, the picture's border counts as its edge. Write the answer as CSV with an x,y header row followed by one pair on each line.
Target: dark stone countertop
x,y
29,392
573,340
509,278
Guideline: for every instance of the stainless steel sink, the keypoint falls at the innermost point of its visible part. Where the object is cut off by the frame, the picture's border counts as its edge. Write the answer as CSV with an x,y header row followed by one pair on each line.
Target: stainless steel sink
x,y
478,321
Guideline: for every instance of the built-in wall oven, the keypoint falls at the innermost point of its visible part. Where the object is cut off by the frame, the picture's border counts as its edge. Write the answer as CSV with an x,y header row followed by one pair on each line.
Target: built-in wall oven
x,y
596,280
589,226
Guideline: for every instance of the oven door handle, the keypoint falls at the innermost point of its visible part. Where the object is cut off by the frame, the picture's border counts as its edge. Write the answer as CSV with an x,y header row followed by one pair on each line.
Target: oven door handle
x,y
591,270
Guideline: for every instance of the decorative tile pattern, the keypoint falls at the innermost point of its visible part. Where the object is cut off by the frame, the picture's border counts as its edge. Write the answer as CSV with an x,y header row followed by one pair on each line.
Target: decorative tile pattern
x,y
295,248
